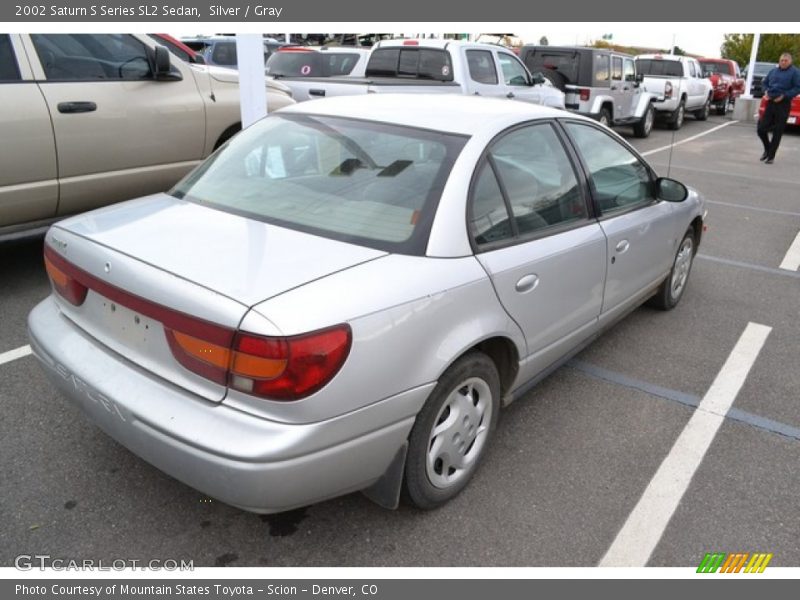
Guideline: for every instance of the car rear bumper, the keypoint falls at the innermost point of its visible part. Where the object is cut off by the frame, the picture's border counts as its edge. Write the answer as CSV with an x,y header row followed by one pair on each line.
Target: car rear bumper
x,y
250,462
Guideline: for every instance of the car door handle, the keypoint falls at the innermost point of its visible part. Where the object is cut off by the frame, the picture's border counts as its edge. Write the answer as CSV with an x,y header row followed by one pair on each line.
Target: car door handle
x,y
613,87
510,95
527,283
316,92
76,107
622,247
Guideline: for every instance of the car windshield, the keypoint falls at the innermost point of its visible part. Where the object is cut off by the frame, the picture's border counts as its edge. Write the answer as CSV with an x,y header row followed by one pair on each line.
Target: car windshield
x,y
310,63
368,183
659,67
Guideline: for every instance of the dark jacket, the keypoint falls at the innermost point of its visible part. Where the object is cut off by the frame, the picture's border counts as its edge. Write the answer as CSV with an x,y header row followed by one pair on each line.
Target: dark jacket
x,y
782,82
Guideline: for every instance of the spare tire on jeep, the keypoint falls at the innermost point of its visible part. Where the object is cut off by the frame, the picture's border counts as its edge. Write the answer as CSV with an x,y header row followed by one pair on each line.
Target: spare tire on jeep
x,y
558,80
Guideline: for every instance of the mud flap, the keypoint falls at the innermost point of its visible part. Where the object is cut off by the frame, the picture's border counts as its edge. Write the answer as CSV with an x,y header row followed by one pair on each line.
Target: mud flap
x,y
386,491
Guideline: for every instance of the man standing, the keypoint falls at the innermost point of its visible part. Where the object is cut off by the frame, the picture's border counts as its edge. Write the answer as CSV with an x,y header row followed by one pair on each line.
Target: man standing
x,y
780,85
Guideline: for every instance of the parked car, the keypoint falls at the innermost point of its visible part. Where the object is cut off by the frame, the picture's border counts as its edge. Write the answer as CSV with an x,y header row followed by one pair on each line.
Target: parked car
x,y
92,119
221,50
414,66
680,82
726,81
760,70
599,83
345,296
794,110
327,61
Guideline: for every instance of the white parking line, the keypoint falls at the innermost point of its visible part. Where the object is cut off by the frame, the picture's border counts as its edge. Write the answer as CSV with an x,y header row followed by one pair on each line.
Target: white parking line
x,y
642,531
14,354
689,139
791,262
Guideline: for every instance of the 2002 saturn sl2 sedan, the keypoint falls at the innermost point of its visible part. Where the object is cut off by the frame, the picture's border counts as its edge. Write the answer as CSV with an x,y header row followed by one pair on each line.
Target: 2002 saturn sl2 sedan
x,y
343,297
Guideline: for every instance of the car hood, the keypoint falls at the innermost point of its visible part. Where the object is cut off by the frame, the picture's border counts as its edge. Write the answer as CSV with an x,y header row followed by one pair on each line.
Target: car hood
x,y
243,259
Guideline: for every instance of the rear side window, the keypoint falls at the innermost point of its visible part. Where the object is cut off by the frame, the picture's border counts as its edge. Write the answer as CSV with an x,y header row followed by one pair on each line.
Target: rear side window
x,y
91,57
481,66
602,68
616,68
224,54
526,186
659,67
8,62
417,63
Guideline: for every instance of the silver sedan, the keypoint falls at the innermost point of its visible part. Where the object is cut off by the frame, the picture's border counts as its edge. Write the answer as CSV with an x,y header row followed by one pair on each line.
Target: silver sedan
x,y
346,295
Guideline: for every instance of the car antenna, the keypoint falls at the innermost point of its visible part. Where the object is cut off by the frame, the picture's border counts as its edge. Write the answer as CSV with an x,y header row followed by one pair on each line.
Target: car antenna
x,y
671,146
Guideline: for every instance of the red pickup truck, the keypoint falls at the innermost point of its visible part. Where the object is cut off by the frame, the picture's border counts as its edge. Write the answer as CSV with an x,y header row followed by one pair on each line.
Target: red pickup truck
x,y
726,80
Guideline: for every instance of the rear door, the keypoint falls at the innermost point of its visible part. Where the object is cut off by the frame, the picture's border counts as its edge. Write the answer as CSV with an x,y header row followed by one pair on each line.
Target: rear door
x,y
482,69
533,233
119,133
641,230
28,176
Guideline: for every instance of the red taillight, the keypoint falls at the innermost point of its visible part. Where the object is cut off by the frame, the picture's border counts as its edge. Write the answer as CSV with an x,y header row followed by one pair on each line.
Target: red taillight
x,y
585,94
288,368
60,273
411,43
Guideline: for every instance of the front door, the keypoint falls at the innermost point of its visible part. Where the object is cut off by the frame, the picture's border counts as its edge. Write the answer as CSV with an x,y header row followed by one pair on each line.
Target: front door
x,y
119,132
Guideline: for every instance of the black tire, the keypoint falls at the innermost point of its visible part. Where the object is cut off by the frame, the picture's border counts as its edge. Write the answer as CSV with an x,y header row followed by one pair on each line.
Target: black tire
x,y
558,80
724,106
604,117
671,290
676,121
702,114
468,393
643,128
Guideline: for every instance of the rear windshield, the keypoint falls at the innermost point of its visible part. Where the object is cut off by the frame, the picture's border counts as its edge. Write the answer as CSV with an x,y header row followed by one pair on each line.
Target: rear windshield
x,y
659,67
311,63
412,63
716,68
566,63
372,184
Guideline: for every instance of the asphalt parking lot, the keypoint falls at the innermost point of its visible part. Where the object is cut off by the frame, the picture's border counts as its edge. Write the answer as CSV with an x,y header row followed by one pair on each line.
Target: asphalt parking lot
x,y
572,465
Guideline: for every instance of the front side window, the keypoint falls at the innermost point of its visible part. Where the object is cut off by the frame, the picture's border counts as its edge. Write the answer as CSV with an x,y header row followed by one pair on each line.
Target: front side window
x,y
368,183
8,62
514,72
525,187
619,180
481,66
91,57
628,70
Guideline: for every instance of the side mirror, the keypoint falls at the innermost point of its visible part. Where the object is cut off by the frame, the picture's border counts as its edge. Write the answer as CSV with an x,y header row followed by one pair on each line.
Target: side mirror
x,y
639,77
162,68
537,79
671,190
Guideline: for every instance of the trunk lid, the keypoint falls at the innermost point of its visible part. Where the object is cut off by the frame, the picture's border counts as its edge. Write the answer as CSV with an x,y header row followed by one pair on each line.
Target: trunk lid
x,y
155,260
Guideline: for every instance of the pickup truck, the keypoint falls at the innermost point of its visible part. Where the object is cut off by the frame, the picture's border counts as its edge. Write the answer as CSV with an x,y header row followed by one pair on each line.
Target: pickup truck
x,y
680,82
435,66
726,81
91,119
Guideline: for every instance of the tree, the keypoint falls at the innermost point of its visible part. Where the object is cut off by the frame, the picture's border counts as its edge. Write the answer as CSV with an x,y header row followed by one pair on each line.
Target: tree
x,y
737,46
678,51
543,41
